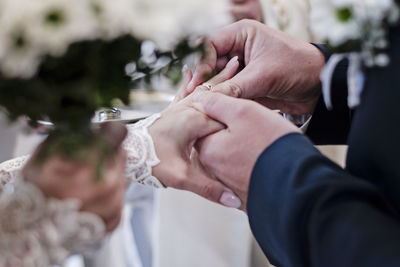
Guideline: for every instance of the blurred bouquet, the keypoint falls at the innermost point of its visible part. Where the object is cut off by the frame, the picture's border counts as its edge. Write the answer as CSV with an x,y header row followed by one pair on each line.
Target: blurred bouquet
x,y
64,59
355,25
356,30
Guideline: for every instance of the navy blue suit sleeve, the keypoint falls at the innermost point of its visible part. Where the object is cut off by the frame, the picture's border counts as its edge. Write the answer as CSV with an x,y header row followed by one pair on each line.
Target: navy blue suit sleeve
x,y
306,211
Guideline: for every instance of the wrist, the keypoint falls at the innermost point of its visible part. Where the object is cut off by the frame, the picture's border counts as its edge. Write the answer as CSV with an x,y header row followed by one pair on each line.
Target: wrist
x,y
313,66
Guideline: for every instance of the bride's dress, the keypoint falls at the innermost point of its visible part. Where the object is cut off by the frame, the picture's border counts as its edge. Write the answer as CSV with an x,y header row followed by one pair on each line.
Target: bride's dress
x,y
39,231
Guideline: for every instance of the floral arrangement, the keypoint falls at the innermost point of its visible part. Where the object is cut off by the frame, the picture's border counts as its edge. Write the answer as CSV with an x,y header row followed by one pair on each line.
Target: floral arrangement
x,y
63,59
357,30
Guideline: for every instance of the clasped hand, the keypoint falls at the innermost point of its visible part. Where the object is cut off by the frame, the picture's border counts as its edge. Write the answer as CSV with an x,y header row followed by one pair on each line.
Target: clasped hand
x,y
278,71
217,138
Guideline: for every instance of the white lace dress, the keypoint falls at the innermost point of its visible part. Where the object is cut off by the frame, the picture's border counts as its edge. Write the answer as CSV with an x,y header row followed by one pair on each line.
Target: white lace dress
x,y
38,231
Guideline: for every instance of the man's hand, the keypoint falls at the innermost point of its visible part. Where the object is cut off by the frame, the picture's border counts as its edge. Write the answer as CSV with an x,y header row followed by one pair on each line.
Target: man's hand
x,y
231,154
279,71
61,178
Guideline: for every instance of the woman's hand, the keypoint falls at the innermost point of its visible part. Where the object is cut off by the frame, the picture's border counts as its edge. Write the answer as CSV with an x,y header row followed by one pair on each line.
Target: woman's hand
x,y
174,136
58,177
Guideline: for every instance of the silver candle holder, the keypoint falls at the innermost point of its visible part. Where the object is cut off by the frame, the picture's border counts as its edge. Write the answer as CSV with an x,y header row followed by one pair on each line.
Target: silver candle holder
x,y
109,114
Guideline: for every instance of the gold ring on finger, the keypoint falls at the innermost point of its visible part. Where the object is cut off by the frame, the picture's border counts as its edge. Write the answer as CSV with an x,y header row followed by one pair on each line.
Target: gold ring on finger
x,y
208,86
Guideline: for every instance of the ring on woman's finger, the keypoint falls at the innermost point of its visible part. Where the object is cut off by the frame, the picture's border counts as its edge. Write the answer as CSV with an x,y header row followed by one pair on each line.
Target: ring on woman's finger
x,y
208,86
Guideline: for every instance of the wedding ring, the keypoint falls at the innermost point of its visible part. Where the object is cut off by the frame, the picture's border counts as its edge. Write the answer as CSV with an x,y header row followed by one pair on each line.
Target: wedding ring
x,y
208,86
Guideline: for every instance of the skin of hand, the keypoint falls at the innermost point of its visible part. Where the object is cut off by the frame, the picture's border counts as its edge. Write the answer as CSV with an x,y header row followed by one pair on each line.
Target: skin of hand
x,y
279,71
174,136
246,9
231,153
61,178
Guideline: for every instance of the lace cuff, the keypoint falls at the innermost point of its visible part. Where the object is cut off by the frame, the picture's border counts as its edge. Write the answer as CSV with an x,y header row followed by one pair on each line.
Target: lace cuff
x,y
40,231
141,153
9,170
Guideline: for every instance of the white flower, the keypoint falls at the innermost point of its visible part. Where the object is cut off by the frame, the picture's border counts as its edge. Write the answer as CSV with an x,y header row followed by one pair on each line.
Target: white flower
x,y
339,21
31,29
113,17
372,11
335,21
167,21
20,62
378,7
55,24
19,54
18,57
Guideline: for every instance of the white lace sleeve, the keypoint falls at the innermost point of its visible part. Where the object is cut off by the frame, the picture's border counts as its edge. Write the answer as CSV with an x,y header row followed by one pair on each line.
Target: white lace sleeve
x,y
10,169
36,231
141,153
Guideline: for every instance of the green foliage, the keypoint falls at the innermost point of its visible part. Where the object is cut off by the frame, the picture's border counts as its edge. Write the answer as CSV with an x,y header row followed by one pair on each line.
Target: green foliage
x,y
172,70
67,90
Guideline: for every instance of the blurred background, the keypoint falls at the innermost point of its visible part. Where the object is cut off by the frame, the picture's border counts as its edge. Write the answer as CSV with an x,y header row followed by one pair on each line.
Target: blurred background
x,y
170,228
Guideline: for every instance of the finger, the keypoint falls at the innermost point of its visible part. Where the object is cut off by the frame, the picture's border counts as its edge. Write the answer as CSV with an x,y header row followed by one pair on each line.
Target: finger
x,y
213,190
217,106
210,156
245,84
113,179
183,90
209,127
227,73
114,133
221,63
218,45
116,203
197,125
205,68
108,205
112,210
205,187
201,125
116,165
113,223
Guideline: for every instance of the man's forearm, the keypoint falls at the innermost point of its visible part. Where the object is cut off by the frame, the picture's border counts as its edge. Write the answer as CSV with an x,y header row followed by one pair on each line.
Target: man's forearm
x,y
306,211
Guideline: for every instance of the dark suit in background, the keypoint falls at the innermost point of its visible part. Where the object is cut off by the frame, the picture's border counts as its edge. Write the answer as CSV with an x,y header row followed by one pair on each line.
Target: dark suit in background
x,y
304,210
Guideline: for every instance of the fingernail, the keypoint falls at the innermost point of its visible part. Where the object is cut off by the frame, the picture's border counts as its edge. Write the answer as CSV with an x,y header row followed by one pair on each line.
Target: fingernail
x,y
230,200
233,61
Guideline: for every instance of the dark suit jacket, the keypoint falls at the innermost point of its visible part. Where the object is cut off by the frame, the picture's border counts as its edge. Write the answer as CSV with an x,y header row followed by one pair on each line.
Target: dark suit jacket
x,y
306,211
